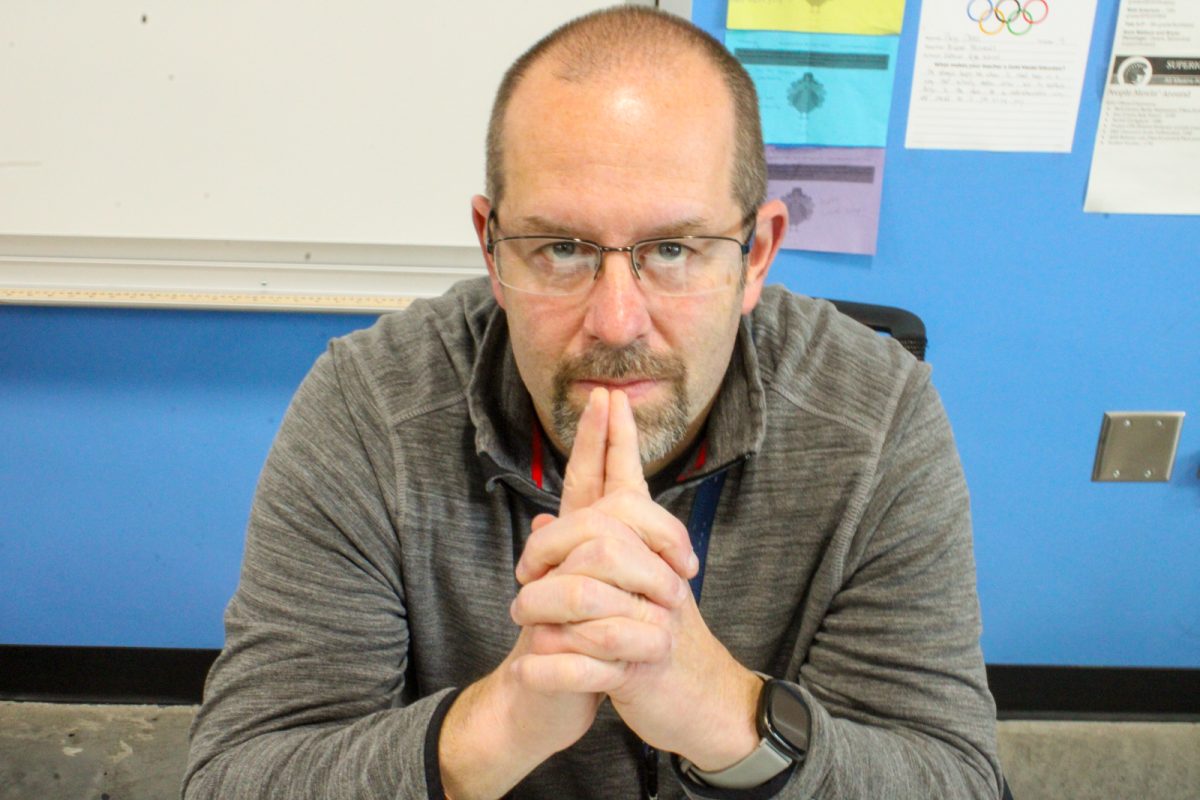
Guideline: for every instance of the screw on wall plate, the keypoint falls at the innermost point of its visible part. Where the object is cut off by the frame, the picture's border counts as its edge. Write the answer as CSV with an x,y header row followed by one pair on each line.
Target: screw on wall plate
x,y
1148,473
1127,423
1116,473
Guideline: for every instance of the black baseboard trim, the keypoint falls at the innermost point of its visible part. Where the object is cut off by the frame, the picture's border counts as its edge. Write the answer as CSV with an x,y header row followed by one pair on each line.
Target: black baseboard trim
x,y
138,675
162,676
1124,693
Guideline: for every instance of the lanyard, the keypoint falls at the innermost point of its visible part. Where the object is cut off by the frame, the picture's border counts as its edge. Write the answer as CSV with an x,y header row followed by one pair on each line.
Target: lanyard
x,y
700,525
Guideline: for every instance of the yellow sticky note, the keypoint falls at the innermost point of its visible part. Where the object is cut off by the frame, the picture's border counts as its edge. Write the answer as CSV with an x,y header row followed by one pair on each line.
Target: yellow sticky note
x,y
872,17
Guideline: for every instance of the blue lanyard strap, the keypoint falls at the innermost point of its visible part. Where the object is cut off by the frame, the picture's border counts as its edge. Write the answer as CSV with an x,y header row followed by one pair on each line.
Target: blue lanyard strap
x,y
700,524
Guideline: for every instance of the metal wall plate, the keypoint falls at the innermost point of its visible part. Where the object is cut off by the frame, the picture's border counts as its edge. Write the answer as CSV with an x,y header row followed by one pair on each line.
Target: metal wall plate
x,y
1137,445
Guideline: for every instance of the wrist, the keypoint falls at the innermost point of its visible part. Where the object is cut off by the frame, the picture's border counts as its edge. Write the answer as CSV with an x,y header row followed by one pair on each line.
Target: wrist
x,y
481,750
784,725
735,735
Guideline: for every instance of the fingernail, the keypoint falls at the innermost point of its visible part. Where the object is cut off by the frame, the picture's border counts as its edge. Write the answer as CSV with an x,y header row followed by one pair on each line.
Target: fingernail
x,y
693,564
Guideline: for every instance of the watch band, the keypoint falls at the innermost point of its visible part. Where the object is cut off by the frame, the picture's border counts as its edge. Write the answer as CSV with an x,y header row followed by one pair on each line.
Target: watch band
x,y
764,763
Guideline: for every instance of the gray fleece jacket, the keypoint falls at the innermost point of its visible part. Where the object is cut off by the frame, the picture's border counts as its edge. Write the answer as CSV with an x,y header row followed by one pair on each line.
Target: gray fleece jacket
x,y
379,560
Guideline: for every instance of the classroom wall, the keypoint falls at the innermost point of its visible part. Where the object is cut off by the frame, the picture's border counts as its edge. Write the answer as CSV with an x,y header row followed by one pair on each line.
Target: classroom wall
x,y
130,439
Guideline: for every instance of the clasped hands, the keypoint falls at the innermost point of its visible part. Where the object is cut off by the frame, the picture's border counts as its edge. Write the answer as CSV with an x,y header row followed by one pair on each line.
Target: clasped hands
x,y
605,610
605,607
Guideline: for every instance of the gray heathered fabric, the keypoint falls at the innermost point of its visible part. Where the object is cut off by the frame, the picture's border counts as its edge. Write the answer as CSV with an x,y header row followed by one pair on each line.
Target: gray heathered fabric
x,y
379,564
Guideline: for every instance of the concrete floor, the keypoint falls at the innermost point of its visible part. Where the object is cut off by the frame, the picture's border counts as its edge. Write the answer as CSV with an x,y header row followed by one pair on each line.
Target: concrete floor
x,y
1109,760
75,752
78,752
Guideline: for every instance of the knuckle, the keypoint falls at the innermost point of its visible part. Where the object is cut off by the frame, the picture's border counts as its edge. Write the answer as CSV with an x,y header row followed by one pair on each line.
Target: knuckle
x,y
680,533
520,605
660,643
536,541
604,552
578,671
525,567
570,481
654,614
539,639
606,635
584,556
580,597
669,587
522,670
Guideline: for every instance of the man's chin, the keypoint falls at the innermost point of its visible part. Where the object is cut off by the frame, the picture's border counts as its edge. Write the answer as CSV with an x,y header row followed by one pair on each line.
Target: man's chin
x,y
661,424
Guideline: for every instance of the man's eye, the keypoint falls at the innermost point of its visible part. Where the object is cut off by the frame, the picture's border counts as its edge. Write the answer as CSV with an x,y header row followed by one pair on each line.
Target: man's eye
x,y
563,249
670,249
671,252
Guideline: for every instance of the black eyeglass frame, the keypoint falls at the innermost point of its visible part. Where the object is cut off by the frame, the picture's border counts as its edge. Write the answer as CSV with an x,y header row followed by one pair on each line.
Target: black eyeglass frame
x,y
745,246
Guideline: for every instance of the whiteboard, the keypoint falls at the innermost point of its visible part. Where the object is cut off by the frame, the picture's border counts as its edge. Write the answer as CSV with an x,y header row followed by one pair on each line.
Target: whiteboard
x,y
196,145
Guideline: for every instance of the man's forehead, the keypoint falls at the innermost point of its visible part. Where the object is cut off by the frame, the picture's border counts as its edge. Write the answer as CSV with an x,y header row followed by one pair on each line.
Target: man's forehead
x,y
686,80
666,225
631,132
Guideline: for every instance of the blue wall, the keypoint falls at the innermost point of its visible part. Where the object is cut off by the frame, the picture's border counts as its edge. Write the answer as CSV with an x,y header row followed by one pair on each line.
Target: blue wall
x,y
130,440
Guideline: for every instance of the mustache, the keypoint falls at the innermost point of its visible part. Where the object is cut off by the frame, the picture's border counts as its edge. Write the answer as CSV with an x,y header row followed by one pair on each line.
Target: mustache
x,y
636,360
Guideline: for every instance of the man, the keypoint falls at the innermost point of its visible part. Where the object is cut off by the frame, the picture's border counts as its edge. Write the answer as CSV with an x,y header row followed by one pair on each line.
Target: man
x,y
473,563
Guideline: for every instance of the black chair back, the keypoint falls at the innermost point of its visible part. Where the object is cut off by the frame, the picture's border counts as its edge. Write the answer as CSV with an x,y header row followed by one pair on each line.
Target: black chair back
x,y
903,326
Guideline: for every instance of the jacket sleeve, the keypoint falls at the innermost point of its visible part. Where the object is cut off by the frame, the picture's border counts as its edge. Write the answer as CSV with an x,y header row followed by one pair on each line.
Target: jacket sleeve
x,y
308,699
894,678
899,697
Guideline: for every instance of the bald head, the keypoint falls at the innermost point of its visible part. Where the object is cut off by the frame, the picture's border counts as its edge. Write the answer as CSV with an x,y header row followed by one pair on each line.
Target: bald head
x,y
629,40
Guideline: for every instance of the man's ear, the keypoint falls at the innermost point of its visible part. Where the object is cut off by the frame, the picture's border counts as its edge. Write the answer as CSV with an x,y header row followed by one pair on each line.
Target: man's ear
x,y
481,209
771,225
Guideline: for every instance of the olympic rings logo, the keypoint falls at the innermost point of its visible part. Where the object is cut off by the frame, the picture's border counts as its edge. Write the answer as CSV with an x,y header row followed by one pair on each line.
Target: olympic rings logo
x,y
1015,16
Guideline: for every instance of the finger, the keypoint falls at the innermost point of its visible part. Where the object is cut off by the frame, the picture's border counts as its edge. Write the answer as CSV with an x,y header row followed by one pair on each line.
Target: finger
x,y
623,462
583,483
556,599
551,542
627,564
658,528
541,521
612,639
568,672
627,515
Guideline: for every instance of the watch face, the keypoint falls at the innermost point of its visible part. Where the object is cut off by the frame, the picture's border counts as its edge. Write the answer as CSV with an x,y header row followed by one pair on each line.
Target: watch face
x,y
787,716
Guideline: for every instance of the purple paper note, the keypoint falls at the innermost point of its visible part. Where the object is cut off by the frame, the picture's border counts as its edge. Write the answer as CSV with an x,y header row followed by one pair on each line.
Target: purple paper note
x,y
832,195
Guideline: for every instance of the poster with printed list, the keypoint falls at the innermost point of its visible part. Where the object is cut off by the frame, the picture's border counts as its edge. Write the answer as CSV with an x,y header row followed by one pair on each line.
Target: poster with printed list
x,y
1147,154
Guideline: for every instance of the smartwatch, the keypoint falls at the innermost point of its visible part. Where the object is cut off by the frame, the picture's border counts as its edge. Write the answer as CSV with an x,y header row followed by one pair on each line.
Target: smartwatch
x,y
783,725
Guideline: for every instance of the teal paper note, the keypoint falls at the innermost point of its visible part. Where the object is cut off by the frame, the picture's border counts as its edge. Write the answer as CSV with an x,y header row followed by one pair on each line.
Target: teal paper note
x,y
822,89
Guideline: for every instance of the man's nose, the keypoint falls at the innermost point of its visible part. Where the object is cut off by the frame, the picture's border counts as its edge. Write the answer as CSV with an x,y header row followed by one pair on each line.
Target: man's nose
x,y
617,313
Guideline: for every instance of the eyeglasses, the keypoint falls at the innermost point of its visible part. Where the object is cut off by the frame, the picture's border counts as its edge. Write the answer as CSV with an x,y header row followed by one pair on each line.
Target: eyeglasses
x,y
676,266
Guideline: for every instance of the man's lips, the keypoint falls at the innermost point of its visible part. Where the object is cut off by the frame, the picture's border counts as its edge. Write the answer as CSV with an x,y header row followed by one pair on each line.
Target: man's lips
x,y
632,387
